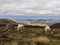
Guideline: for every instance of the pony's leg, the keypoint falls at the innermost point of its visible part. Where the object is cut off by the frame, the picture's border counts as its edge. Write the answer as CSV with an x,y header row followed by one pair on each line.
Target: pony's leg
x,y
46,32
23,28
52,32
18,28
5,29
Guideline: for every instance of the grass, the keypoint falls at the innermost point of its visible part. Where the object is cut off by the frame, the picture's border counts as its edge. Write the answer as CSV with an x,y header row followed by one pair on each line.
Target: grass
x,y
28,34
37,24
55,42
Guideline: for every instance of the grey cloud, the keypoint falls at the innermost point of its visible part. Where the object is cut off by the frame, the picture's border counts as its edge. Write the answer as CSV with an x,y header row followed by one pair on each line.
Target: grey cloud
x,y
18,7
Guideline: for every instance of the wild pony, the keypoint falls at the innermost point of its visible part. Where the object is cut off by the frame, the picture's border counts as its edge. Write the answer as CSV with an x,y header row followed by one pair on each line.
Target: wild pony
x,y
47,29
9,27
20,27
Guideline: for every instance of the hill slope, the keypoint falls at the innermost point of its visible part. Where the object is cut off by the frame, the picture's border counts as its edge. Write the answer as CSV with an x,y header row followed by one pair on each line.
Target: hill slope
x,y
5,21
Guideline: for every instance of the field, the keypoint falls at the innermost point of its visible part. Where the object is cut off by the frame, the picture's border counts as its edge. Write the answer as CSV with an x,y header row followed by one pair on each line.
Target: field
x,y
16,37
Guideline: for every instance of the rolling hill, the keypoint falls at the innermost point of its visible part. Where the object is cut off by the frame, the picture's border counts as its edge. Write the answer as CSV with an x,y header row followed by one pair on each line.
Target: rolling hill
x,y
5,21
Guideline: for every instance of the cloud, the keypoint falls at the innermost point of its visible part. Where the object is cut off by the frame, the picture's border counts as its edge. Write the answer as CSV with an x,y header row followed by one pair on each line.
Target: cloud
x,y
26,7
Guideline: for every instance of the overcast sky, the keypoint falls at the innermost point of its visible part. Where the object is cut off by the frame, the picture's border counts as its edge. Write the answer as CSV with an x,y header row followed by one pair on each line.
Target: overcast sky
x,y
27,7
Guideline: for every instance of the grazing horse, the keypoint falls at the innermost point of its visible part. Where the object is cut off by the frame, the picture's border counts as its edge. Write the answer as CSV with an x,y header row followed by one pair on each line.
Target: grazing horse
x,y
12,27
9,27
20,27
47,29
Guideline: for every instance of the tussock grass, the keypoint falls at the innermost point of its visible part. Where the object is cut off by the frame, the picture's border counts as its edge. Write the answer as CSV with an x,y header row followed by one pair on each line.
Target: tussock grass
x,y
42,40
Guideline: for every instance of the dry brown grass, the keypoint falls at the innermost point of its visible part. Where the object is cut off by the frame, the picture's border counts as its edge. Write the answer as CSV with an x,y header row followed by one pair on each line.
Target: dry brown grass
x,y
42,40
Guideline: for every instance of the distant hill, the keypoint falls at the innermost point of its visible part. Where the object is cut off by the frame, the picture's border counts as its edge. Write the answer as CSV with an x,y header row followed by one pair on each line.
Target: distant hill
x,y
49,22
5,21
43,21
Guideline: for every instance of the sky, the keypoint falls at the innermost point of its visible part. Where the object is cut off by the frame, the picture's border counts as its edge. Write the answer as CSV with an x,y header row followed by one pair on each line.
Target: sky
x,y
45,17
30,7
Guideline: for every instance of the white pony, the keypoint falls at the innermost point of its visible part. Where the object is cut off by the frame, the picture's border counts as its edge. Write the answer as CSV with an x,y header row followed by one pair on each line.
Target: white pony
x,y
47,29
20,27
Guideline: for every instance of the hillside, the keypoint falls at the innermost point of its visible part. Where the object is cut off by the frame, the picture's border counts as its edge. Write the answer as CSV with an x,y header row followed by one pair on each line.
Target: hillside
x,y
5,21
